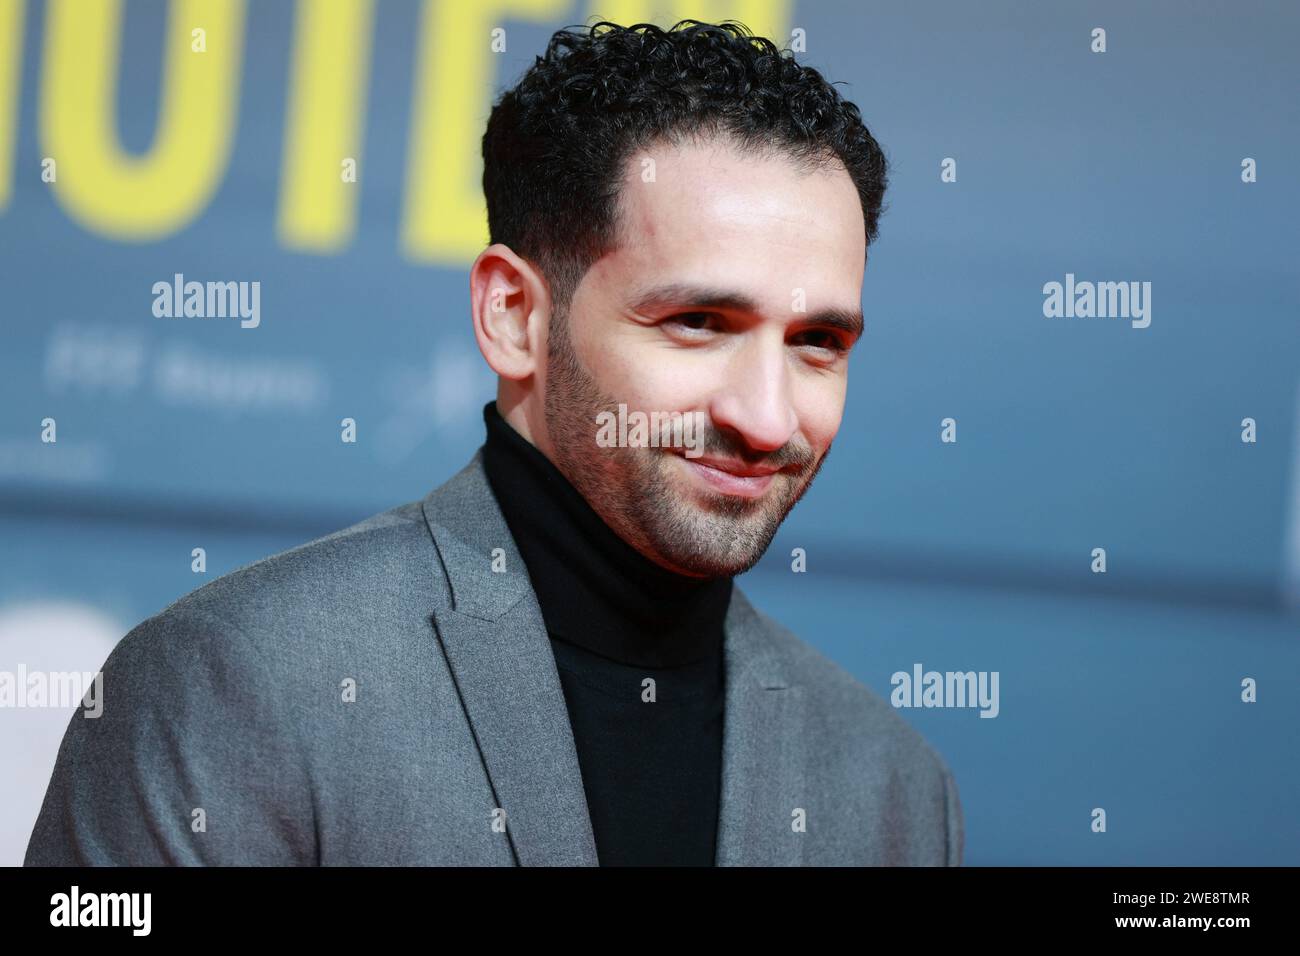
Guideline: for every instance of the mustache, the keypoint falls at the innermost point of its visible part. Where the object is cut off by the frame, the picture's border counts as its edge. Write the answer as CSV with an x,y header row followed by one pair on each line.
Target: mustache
x,y
720,443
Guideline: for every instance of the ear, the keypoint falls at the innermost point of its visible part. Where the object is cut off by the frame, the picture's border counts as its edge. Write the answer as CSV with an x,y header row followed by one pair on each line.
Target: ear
x,y
510,305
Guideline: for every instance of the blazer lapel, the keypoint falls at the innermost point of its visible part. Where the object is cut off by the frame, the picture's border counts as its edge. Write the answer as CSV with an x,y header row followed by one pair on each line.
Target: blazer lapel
x,y
763,748
496,645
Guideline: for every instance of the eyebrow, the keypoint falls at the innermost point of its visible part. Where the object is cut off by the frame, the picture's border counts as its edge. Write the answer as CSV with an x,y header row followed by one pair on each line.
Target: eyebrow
x,y
849,321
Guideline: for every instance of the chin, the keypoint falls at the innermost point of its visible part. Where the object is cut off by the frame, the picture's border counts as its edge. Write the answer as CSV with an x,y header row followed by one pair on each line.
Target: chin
x,y
700,554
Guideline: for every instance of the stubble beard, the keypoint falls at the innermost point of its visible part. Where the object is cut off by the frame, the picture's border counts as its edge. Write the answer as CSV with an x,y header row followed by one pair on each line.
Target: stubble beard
x,y
635,490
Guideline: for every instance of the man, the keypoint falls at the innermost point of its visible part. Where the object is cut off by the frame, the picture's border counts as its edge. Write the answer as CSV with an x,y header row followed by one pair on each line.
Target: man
x,y
544,661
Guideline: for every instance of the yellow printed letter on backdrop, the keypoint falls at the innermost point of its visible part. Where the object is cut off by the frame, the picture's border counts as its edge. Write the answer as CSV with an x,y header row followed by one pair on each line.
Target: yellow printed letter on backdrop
x,y
445,219
103,187
327,98
11,58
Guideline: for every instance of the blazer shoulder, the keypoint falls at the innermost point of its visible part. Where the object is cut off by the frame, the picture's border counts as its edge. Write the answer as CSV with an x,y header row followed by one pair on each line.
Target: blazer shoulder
x,y
383,557
849,711
864,744
194,714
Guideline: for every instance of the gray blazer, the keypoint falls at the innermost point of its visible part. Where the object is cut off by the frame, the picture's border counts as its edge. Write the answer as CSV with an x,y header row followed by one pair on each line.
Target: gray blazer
x,y
228,735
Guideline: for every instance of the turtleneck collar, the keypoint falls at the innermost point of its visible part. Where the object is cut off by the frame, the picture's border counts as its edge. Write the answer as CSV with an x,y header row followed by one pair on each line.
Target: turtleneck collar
x,y
595,590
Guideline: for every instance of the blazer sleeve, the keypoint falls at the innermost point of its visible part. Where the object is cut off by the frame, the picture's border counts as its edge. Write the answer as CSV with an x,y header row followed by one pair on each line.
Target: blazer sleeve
x,y
192,761
954,822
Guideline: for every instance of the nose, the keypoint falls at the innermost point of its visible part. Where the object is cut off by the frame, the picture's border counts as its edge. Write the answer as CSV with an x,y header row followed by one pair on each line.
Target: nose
x,y
754,400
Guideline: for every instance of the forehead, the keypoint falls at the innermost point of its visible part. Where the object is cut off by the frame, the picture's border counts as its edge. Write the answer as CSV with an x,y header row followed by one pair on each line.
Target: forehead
x,y
708,212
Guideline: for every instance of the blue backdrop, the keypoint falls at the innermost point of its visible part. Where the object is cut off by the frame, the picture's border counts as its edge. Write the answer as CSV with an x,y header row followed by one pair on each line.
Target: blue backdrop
x,y
128,156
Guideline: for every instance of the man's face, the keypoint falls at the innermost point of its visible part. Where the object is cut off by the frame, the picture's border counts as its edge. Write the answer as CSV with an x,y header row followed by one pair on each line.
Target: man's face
x,y
734,292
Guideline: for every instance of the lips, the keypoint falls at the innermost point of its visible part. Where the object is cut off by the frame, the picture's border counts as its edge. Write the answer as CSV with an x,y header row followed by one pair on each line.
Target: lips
x,y
730,477
737,468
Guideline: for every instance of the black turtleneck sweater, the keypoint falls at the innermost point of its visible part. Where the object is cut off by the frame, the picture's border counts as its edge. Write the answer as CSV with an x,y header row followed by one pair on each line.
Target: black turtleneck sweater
x,y
651,765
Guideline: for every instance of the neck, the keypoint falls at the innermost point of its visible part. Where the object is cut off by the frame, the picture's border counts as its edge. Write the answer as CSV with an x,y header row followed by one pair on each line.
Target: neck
x,y
595,589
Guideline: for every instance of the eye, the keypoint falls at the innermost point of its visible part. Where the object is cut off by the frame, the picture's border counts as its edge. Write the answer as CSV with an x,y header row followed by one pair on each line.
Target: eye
x,y
692,322
822,340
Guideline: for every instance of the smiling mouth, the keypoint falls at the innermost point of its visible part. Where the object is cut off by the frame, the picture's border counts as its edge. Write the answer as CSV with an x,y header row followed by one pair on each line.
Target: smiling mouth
x,y
732,478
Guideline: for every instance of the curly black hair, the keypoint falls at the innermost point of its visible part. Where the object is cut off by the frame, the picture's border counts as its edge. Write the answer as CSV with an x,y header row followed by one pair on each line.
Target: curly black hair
x,y
555,143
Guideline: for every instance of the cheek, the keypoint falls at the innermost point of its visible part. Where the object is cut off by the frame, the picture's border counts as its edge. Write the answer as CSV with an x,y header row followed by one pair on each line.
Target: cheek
x,y
820,407
647,379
